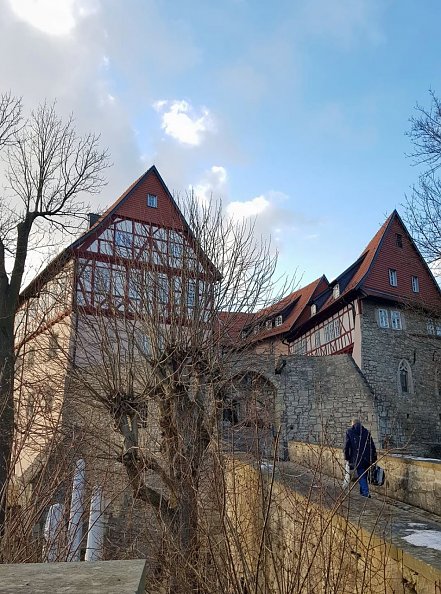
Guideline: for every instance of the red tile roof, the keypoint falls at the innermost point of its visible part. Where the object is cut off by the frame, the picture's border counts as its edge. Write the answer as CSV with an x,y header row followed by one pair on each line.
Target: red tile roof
x,y
293,307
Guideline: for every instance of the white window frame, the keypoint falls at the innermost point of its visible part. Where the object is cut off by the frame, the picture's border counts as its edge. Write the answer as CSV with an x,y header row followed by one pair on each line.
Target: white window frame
x,y
268,324
278,321
383,318
336,291
152,201
313,309
317,338
415,284
393,277
396,321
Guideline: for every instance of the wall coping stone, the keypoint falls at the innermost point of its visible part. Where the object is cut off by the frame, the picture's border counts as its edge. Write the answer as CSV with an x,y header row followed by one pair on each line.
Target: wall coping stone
x,y
100,577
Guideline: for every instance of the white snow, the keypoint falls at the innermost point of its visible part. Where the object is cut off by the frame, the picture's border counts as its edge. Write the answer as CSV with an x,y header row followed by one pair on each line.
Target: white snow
x,y
425,538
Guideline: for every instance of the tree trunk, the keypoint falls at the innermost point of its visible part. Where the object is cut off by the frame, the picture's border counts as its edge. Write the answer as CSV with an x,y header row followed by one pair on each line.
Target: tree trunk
x,y
187,455
6,407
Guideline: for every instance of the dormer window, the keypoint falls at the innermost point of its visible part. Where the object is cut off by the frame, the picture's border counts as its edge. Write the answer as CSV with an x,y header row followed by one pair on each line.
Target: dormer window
x,y
313,309
278,321
152,201
336,291
268,324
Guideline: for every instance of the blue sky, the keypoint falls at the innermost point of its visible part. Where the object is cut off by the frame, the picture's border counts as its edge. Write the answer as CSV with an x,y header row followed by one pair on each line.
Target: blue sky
x,y
293,111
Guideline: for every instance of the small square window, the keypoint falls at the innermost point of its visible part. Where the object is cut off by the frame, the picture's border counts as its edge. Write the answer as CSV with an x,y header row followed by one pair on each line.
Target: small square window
x,y
383,318
393,280
152,201
399,240
415,284
395,318
336,291
278,321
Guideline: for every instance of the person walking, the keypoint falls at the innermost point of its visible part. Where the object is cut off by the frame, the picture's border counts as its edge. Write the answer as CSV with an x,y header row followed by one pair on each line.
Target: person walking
x,y
360,452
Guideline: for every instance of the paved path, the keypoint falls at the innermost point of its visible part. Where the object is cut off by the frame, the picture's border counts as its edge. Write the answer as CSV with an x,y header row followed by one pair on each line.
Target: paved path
x,y
414,531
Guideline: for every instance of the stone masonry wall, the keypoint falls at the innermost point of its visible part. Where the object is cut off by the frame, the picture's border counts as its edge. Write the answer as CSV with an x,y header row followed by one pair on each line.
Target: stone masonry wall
x,y
321,395
315,397
411,420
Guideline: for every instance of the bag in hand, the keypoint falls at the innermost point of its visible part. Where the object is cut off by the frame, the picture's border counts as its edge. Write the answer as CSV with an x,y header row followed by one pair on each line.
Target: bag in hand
x,y
377,476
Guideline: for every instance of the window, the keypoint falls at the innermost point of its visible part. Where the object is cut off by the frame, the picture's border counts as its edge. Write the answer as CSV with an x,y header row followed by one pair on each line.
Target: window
x,y
191,292
405,381
395,318
152,201
256,329
53,346
317,338
278,321
268,324
415,284
433,328
30,356
383,318
399,240
393,281
299,347
336,291
313,309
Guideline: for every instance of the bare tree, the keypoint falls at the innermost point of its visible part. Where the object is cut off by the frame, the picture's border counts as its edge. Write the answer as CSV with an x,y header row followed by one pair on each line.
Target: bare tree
x,y
158,357
48,169
423,206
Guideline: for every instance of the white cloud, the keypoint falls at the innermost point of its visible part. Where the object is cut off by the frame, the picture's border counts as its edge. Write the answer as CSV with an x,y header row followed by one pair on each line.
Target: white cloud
x,y
249,208
213,183
180,121
53,17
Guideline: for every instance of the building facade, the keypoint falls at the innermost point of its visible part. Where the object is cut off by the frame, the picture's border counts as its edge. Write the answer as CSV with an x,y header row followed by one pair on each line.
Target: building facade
x,y
383,311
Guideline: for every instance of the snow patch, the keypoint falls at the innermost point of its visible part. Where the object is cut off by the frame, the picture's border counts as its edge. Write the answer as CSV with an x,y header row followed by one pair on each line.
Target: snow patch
x,y
425,538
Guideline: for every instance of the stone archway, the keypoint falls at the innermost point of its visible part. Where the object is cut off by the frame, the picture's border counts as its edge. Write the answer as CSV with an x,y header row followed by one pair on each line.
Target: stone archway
x,y
249,414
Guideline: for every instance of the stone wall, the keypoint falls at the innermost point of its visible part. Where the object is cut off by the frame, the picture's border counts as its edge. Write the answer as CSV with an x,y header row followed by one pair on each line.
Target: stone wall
x,y
321,395
411,419
302,542
413,481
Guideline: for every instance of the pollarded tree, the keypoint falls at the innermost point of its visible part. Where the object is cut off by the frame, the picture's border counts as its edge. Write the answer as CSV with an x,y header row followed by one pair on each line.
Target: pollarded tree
x,y
48,169
154,354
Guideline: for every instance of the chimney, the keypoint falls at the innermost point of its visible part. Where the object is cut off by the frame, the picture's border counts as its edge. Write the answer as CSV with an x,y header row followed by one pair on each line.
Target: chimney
x,y
93,217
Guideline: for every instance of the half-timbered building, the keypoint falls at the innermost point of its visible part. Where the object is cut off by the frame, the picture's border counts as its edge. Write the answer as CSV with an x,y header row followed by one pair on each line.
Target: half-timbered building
x,y
134,274
383,311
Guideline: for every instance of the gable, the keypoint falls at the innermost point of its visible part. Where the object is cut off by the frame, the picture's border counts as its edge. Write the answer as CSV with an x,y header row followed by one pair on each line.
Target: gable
x,y
407,262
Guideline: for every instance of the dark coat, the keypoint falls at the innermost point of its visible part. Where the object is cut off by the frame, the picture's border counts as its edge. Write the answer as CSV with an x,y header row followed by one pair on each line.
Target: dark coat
x,y
359,447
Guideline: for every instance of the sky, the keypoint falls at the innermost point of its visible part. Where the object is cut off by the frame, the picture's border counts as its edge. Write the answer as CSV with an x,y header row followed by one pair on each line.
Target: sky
x,y
293,112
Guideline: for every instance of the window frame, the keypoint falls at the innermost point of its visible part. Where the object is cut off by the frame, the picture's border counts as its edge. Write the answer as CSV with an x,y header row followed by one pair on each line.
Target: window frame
x,y
152,201
395,315
386,318
278,321
415,284
393,277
